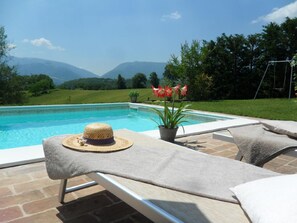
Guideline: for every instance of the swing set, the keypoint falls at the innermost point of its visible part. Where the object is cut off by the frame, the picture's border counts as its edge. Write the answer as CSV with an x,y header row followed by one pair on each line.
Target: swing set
x,y
279,88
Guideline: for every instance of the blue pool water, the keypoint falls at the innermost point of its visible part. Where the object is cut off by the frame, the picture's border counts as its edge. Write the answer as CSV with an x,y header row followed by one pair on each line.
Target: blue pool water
x,y
27,126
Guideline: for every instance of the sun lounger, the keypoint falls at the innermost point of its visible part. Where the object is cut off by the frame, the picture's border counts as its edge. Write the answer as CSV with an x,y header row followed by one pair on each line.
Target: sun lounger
x,y
261,143
227,137
163,203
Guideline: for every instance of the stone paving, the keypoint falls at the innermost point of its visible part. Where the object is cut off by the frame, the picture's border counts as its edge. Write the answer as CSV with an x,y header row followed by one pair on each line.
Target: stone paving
x,y
27,195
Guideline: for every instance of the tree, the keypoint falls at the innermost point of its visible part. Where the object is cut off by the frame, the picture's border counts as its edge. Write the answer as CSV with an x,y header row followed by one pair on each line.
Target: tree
x,y
40,84
90,84
39,88
10,86
154,80
139,81
290,35
3,45
40,77
279,43
121,82
187,69
254,68
10,83
204,86
191,67
173,71
227,61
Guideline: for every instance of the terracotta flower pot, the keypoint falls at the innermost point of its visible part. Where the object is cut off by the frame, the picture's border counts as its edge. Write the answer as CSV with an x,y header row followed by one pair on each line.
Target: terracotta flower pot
x,y
167,134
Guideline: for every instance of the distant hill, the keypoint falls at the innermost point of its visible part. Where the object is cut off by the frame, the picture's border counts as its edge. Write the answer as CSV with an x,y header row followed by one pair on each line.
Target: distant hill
x,y
58,71
129,69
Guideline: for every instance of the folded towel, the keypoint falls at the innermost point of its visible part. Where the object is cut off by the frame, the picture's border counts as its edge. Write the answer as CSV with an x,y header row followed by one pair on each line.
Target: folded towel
x,y
258,145
288,128
156,162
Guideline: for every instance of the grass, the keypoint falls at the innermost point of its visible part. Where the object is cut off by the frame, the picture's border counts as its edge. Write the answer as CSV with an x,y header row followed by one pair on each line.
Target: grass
x,y
87,96
282,109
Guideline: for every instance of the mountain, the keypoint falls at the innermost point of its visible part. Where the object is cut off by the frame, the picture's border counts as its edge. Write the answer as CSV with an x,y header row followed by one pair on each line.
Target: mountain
x,y
58,71
129,69
61,72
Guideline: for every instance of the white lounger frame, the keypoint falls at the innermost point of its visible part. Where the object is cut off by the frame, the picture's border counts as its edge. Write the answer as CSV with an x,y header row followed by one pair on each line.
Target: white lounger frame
x,y
145,207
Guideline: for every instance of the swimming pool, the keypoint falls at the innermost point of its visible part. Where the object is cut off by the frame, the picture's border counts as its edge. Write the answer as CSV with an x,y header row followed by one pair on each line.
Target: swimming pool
x,y
28,154
29,125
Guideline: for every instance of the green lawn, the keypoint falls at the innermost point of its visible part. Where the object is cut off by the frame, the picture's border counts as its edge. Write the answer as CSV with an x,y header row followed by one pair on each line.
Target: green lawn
x,y
282,109
87,96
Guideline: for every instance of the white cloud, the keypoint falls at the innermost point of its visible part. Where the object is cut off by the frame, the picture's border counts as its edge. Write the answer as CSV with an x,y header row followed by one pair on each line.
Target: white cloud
x,y
43,42
172,16
278,15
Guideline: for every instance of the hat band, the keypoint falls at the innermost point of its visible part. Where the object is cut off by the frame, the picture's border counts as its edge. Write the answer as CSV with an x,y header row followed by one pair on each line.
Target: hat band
x,y
98,142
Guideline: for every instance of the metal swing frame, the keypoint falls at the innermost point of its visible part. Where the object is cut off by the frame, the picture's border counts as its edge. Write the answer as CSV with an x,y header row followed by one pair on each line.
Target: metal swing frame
x,y
273,62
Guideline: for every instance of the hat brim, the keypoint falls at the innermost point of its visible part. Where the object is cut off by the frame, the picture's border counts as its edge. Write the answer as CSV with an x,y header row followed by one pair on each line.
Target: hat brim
x,y
72,142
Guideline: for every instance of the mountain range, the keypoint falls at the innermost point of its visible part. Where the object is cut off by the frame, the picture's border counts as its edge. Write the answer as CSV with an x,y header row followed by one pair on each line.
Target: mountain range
x,y
61,72
58,71
129,69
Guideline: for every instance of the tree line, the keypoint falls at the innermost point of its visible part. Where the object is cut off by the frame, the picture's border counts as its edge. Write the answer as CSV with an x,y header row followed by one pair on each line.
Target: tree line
x,y
139,80
232,66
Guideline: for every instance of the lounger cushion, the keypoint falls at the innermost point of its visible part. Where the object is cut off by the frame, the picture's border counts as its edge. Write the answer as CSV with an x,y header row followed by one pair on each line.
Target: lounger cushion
x,y
288,128
269,200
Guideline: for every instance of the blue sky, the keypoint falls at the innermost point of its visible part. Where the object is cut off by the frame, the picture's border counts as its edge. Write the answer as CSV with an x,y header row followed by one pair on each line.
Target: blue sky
x,y
97,35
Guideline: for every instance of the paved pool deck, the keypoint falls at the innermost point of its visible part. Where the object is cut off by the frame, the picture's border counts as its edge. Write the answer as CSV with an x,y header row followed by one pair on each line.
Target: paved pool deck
x,y
27,195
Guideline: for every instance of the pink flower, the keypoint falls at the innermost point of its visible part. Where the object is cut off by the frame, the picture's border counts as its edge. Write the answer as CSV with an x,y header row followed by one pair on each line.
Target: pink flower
x,y
161,92
184,90
155,91
176,89
168,91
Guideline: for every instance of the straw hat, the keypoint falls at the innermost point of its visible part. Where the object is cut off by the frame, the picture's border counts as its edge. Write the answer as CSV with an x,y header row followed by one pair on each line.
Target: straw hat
x,y
97,137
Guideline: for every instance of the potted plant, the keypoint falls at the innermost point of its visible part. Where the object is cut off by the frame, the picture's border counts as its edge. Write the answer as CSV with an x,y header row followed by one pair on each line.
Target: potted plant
x,y
170,117
133,96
